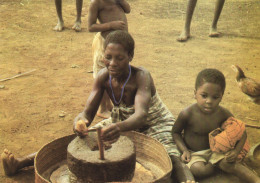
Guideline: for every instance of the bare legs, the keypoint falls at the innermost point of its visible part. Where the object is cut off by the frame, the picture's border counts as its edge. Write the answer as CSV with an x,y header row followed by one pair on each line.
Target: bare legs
x,y
60,24
239,170
218,8
77,25
185,35
12,165
105,107
181,172
201,169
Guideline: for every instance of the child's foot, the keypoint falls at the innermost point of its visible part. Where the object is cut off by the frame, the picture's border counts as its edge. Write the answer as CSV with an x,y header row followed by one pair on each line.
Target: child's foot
x,y
184,36
77,26
105,114
214,32
59,27
10,164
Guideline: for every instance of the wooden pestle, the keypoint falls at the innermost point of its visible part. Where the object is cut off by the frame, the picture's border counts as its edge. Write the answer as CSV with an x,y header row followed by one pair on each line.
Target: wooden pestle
x,y
100,144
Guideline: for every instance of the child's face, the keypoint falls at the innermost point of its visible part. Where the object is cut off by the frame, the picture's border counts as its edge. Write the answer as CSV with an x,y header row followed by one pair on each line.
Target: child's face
x,y
208,97
116,59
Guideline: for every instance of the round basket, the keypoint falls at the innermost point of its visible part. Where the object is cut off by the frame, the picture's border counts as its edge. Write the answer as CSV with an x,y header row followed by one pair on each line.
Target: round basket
x,y
149,152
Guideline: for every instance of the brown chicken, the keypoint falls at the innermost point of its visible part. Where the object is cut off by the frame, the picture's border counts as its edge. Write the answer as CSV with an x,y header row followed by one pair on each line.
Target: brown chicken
x,y
247,85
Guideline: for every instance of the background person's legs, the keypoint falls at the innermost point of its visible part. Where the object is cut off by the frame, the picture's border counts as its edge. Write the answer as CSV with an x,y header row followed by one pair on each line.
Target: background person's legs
x,y
218,9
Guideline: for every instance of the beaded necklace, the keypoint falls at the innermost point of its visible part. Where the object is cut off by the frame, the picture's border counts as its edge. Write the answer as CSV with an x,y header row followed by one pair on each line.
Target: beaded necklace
x,y
122,91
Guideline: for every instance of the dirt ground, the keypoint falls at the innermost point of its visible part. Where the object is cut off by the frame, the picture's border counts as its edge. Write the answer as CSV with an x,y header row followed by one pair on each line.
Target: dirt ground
x,y
30,105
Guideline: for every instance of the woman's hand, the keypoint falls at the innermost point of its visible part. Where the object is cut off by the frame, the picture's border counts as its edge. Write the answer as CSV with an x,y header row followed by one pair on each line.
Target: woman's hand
x,y
110,133
186,156
80,125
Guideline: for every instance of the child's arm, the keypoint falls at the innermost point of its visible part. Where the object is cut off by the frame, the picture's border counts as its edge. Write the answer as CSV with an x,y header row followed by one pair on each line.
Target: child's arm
x,y
92,21
177,129
232,155
124,5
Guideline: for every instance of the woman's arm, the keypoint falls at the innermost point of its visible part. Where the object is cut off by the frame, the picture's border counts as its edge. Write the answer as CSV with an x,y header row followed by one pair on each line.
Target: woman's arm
x,y
93,100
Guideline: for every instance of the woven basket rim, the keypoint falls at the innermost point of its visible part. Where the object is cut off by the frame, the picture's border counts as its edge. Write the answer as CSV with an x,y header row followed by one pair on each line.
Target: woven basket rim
x,y
133,133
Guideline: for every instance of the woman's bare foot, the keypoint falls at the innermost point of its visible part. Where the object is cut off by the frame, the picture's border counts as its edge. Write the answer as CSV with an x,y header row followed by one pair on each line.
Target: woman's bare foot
x,y
185,35
59,27
10,163
77,26
214,32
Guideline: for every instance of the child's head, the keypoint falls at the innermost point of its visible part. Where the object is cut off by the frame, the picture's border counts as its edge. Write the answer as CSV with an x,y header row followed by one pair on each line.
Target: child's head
x,y
123,38
211,76
209,89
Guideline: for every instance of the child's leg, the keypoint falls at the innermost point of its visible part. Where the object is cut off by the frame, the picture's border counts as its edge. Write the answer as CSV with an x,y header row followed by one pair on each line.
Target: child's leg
x,y
185,35
11,164
181,172
218,8
77,25
201,169
239,170
60,24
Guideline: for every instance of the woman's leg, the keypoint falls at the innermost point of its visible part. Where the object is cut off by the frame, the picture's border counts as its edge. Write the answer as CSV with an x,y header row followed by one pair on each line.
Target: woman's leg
x,y
11,164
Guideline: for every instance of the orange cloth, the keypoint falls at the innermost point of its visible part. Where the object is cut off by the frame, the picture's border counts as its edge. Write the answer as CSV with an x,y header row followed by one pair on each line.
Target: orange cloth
x,y
225,138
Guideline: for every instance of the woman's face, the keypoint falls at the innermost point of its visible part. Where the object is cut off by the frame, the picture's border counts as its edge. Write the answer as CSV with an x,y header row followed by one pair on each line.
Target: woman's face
x,y
116,59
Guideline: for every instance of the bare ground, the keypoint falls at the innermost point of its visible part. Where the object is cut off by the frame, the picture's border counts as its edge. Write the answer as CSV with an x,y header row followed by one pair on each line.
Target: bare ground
x,y
30,105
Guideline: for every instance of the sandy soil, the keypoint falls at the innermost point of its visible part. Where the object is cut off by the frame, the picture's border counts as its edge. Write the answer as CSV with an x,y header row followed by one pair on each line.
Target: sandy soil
x,y
30,105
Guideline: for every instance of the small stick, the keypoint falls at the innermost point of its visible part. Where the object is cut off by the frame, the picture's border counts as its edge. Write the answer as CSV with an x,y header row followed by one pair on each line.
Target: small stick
x,y
100,144
253,126
18,75
252,119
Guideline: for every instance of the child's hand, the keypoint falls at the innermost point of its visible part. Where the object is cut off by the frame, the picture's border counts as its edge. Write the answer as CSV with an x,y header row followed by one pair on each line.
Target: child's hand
x,y
185,157
110,133
231,156
118,25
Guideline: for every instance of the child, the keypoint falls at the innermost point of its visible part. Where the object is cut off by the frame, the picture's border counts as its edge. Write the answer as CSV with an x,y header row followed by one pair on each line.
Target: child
x,y
60,25
111,16
137,106
185,35
198,120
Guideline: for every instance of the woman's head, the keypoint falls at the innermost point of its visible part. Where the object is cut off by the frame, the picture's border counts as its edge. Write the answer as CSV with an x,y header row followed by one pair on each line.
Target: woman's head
x,y
123,38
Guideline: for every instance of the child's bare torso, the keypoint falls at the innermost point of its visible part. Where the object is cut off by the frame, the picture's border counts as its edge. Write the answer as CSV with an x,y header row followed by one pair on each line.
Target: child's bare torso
x,y
198,127
110,11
